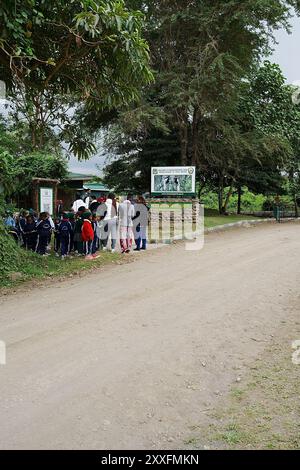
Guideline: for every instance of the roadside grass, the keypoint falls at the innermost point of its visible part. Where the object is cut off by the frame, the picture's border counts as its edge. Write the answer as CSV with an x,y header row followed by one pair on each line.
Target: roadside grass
x,y
40,267
32,266
212,218
263,412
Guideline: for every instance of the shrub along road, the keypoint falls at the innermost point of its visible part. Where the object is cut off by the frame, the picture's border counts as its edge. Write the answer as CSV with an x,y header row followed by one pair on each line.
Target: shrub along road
x,y
142,355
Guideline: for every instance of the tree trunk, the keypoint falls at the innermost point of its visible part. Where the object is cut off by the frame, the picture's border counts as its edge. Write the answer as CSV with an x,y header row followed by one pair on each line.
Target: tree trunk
x,y
224,208
220,194
201,187
294,191
183,134
33,135
195,137
239,205
296,206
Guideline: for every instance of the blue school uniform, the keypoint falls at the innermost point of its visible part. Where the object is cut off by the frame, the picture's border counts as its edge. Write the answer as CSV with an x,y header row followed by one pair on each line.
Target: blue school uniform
x,y
20,228
72,222
95,245
56,237
30,235
44,230
65,232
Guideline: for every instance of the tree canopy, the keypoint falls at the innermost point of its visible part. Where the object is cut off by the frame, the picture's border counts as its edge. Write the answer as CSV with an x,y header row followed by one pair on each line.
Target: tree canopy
x,y
19,164
208,93
61,54
93,48
73,67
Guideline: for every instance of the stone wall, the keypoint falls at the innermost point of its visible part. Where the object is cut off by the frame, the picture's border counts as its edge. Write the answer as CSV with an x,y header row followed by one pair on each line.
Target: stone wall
x,y
170,218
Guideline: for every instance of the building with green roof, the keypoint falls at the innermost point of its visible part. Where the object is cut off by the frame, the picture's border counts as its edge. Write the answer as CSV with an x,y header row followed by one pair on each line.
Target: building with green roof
x,y
78,183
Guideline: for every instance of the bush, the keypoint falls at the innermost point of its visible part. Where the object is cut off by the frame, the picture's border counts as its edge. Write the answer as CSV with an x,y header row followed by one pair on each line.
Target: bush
x,y
12,257
250,202
268,205
10,253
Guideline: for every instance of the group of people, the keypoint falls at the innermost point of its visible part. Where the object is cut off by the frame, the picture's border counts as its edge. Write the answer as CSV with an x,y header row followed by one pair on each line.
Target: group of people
x,y
84,230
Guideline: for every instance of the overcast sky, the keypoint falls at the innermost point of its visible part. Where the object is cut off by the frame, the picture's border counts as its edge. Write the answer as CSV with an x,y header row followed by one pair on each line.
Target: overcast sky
x,y
286,52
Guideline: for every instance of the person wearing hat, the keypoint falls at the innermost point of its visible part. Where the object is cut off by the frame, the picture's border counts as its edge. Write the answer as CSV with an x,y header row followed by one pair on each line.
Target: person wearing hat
x,y
71,216
21,221
56,236
44,230
87,234
30,233
65,230
78,244
96,241
33,214
140,224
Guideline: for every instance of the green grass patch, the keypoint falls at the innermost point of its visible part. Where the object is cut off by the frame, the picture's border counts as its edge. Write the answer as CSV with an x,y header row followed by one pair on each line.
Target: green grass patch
x,y
213,219
263,412
237,394
233,435
34,266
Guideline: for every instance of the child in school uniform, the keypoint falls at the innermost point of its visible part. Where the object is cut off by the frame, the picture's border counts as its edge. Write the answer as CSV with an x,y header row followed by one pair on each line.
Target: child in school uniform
x,y
21,221
65,230
95,246
56,236
87,234
30,233
72,222
78,244
44,231
140,224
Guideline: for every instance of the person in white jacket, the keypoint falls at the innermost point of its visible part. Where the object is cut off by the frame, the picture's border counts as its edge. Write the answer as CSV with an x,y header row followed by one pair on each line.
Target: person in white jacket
x,y
78,203
126,214
108,212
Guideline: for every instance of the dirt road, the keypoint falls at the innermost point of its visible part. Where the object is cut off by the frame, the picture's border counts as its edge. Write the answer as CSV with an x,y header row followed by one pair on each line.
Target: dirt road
x,y
134,356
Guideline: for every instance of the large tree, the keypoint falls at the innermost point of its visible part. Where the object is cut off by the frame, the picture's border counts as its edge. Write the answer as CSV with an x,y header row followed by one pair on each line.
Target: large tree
x,y
58,54
130,170
273,109
201,52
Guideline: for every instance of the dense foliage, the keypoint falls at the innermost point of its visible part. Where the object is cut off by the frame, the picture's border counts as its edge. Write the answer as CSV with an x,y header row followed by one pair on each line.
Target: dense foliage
x,y
11,256
18,164
57,57
208,94
72,67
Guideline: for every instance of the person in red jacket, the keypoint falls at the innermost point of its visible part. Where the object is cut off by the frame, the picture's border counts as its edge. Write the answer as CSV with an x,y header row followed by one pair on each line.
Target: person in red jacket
x,y
87,234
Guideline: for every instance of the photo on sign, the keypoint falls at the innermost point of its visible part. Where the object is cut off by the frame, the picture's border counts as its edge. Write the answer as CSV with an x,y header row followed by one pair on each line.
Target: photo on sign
x,y
173,180
177,184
